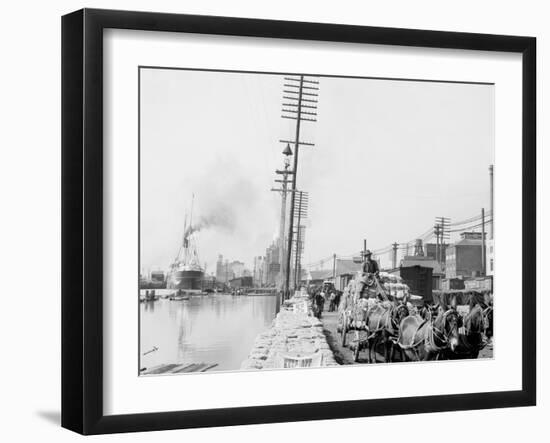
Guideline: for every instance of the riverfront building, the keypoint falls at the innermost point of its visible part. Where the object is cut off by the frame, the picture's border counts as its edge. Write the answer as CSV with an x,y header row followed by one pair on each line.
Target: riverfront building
x,y
258,271
463,258
237,269
430,250
272,266
220,270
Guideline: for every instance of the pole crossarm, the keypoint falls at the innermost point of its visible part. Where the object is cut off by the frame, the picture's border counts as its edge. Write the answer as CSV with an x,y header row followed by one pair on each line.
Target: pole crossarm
x,y
303,87
299,118
296,112
309,94
301,79
303,99
288,190
295,142
303,106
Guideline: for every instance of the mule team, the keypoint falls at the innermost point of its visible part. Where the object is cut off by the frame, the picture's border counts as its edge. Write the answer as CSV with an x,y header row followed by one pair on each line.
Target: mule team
x,y
399,329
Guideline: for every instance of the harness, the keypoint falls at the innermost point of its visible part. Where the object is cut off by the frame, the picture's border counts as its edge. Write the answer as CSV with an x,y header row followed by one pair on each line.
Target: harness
x,y
430,341
388,318
486,312
468,331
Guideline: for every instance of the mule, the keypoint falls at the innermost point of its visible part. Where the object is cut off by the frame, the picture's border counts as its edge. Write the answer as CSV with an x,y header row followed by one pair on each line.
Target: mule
x,y
473,339
391,331
383,322
488,321
423,340
429,312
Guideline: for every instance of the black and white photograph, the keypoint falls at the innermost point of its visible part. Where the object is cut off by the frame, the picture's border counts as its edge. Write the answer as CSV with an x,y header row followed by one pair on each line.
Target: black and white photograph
x,y
294,220
275,221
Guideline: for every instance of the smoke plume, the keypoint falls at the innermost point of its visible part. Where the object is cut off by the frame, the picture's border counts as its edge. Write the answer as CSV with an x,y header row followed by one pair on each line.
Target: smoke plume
x,y
221,217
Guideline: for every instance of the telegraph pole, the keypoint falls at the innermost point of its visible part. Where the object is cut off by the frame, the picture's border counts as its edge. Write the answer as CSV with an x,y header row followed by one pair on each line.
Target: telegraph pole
x,y
334,269
483,252
300,212
442,230
301,105
491,201
437,232
284,191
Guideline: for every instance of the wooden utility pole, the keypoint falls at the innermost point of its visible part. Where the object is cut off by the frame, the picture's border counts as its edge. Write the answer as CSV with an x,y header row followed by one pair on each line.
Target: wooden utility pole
x,y
300,106
282,233
300,212
334,268
437,231
483,252
443,231
491,202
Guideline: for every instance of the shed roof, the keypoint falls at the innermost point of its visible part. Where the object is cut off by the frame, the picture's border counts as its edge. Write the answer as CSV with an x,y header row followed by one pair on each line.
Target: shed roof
x,y
469,242
421,261
321,274
344,267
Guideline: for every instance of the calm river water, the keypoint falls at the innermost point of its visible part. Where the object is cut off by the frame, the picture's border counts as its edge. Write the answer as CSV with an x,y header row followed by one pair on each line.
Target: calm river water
x,y
205,329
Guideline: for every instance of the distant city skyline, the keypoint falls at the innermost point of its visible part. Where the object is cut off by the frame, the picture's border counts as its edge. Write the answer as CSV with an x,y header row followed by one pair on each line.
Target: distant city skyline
x,y
389,157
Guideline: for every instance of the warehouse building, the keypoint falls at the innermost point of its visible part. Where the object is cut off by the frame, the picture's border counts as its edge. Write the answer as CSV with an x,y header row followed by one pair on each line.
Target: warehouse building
x,y
464,258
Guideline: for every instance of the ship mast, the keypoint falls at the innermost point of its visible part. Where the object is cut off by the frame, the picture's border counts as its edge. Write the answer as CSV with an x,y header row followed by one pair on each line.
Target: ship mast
x,y
190,226
191,216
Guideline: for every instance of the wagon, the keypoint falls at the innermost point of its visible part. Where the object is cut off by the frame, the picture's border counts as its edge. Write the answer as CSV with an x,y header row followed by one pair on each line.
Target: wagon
x,y
353,316
353,320
359,342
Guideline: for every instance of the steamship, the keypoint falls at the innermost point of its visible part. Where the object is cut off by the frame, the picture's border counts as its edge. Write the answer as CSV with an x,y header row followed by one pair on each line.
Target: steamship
x,y
186,272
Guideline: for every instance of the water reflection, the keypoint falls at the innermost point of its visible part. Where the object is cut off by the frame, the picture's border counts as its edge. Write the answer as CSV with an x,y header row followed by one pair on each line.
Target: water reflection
x,y
149,306
211,329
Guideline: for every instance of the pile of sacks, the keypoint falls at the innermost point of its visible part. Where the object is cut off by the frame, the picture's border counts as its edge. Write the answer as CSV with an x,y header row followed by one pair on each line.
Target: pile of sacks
x,y
394,286
292,333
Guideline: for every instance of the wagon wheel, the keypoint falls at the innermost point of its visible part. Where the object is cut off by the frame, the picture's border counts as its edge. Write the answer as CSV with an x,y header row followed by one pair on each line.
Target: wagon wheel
x,y
357,347
344,329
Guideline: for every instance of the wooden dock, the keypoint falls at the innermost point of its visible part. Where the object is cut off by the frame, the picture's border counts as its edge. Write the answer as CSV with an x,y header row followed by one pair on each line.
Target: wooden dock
x,y
175,368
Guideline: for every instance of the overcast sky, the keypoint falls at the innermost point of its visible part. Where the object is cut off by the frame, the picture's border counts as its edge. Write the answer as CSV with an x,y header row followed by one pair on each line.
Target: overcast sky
x,y
389,157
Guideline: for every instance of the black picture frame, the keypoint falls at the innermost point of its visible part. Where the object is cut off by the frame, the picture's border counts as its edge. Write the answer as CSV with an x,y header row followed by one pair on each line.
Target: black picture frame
x,y
82,218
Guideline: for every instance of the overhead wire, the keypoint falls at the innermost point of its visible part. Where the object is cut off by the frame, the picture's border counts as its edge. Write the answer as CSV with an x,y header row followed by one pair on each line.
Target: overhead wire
x,y
403,246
